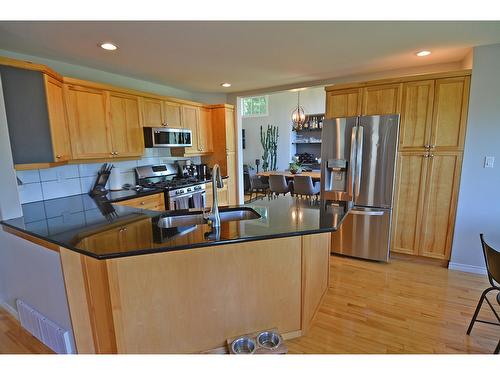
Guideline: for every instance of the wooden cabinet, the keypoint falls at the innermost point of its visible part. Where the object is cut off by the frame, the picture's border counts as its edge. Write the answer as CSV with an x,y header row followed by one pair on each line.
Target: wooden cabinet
x,y
155,202
190,120
125,125
438,215
416,115
343,103
57,118
450,113
411,173
222,194
152,112
89,132
205,140
232,173
382,99
172,115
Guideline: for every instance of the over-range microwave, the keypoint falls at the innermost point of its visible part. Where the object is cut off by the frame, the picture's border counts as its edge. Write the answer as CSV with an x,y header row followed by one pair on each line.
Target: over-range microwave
x,y
167,137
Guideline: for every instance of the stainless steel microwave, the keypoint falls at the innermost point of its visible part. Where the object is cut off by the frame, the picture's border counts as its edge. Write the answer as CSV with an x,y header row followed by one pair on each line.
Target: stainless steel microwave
x,y
167,137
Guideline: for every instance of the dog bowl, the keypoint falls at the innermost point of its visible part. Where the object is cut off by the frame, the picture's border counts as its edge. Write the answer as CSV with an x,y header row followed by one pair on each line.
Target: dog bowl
x,y
269,340
243,345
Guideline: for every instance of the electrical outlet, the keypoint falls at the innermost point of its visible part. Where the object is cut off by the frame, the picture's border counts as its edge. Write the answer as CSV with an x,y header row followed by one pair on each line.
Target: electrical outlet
x,y
489,161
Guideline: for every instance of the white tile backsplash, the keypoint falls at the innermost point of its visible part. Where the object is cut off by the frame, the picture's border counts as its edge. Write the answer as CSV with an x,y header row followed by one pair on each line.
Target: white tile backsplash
x,y
59,173
30,192
62,188
75,179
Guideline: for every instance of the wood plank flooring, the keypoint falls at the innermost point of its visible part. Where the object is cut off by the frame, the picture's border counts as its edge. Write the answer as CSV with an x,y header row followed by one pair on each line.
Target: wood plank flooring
x,y
401,307
16,340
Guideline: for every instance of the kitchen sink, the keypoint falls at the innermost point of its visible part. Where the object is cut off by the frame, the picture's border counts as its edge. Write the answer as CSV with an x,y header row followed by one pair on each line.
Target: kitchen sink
x,y
226,214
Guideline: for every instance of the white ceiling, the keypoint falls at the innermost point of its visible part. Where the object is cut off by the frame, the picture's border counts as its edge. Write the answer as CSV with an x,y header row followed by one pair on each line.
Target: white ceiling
x,y
198,56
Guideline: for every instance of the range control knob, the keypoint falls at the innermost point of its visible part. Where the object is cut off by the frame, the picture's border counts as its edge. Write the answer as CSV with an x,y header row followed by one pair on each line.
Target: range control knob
x,y
188,190
178,192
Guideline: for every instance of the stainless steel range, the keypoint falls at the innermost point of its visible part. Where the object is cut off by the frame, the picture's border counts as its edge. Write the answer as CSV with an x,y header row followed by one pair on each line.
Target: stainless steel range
x,y
180,192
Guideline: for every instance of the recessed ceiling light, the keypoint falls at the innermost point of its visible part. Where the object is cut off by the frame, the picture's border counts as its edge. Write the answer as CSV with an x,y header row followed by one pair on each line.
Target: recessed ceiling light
x,y
109,46
423,53
225,84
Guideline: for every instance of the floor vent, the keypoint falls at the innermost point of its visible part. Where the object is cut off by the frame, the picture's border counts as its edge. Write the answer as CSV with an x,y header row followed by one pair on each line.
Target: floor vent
x,y
44,329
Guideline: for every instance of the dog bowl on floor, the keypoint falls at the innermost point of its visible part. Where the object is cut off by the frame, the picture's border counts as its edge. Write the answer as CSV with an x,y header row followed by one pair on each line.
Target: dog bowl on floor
x,y
269,340
243,345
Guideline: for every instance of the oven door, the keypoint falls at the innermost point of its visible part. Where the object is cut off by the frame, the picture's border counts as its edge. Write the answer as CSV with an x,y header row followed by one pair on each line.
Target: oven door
x,y
184,202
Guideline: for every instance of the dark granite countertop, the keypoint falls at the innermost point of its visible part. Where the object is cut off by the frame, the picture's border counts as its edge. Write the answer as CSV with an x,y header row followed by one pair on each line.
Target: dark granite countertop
x,y
80,223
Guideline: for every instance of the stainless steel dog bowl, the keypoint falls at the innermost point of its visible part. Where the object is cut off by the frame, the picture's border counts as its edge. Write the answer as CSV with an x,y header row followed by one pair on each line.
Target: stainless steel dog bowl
x,y
243,345
269,340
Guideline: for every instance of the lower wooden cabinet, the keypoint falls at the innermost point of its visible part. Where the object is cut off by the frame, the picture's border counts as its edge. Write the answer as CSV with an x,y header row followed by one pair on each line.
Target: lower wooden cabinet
x,y
425,203
155,202
222,194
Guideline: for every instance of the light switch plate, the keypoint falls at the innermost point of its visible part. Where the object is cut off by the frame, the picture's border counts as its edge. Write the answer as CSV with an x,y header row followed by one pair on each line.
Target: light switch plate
x,y
489,161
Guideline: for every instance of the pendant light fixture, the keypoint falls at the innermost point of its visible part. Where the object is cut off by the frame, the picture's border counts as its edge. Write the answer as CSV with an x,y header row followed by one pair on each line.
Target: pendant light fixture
x,y
298,114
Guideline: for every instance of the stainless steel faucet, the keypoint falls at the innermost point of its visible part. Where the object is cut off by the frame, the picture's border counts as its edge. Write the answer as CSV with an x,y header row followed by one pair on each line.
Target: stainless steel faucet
x,y
214,215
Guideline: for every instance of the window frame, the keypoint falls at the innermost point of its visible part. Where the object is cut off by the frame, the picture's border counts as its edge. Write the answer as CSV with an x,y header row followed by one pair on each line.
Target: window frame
x,y
255,114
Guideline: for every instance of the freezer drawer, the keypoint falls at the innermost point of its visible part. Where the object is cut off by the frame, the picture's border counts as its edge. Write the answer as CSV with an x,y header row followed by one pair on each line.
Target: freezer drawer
x,y
365,233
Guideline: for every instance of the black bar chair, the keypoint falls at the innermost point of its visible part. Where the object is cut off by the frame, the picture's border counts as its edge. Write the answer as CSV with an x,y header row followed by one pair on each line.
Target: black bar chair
x,y
492,259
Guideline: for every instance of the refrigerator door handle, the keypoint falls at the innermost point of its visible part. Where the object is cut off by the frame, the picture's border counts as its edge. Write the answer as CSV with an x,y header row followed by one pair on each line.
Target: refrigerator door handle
x,y
367,213
359,159
352,166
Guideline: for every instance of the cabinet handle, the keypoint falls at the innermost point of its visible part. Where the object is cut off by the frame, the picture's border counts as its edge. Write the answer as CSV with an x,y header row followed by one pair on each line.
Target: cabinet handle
x,y
425,155
111,153
431,155
58,156
116,152
143,203
427,146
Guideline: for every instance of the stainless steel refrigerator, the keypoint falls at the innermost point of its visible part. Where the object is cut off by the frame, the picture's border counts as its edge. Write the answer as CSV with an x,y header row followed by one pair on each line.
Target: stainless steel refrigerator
x,y
358,158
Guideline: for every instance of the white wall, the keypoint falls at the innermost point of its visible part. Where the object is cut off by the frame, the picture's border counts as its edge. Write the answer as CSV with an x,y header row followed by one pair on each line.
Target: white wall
x,y
281,106
479,196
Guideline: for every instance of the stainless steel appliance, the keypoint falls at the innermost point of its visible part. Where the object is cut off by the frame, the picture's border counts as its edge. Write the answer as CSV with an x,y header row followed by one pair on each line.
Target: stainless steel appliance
x,y
180,192
358,166
167,137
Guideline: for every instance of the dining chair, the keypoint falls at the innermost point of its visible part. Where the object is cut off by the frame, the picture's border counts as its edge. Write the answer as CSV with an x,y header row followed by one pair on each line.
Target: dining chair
x,y
492,260
257,183
278,185
303,185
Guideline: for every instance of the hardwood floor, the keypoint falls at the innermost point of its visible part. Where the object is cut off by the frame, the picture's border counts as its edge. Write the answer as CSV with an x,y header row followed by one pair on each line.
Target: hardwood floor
x,y
401,307
16,340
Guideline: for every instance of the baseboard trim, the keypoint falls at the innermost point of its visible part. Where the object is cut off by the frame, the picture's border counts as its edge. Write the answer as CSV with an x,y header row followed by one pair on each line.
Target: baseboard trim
x,y
12,311
467,268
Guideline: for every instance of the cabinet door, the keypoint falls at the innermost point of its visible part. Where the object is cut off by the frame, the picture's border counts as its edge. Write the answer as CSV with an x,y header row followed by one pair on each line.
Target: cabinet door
x,y
57,118
343,103
416,115
382,99
125,125
232,179
408,202
107,241
90,136
137,235
152,112
230,131
190,120
450,113
205,141
172,115
438,217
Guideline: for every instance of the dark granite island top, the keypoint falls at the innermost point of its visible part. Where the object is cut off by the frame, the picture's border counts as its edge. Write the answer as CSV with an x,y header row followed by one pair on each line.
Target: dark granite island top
x,y
91,226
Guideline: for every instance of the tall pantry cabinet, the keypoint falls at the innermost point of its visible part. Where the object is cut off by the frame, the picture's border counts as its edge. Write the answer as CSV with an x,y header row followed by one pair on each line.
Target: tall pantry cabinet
x,y
433,112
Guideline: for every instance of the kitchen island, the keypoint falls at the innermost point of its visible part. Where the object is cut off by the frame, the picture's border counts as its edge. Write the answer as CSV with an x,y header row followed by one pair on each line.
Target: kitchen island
x,y
136,285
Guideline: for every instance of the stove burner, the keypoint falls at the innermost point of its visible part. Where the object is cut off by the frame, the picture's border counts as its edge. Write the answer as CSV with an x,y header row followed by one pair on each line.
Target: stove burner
x,y
172,184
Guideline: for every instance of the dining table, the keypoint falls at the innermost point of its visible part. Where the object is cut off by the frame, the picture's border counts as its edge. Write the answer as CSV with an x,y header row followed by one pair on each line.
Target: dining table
x,y
315,175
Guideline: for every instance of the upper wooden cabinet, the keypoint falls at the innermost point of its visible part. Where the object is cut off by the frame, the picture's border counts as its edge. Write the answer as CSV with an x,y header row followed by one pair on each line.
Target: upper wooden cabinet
x,y
382,99
125,125
416,115
58,121
343,103
152,112
86,109
191,120
103,124
205,140
449,117
36,119
172,115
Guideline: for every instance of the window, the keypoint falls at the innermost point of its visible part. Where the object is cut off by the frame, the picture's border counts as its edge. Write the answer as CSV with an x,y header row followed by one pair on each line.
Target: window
x,y
254,106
